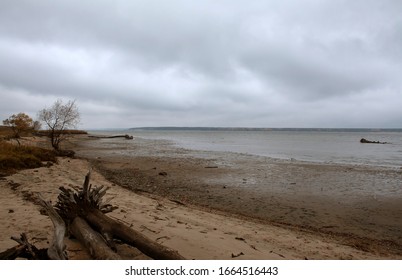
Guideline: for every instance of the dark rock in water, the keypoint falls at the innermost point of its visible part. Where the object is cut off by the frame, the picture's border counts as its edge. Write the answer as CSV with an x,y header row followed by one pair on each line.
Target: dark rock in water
x,y
163,173
365,141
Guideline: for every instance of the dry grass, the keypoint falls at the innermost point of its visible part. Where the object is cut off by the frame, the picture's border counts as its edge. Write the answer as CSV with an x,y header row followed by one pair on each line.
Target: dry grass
x,y
5,132
14,158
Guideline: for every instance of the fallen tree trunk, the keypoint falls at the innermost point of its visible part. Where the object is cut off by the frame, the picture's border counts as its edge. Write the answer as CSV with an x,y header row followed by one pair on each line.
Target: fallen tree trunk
x,y
82,208
365,141
87,203
126,136
92,240
111,227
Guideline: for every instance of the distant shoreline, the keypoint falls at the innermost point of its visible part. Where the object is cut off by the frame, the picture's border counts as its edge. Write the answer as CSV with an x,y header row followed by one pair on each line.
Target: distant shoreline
x,y
170,128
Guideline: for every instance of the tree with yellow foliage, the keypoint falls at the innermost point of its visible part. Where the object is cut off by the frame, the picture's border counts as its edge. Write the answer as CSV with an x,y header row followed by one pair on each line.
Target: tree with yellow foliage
x,y
19,123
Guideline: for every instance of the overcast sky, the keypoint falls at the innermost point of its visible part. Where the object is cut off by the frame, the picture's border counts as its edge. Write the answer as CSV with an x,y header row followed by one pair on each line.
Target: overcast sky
x,y
251,63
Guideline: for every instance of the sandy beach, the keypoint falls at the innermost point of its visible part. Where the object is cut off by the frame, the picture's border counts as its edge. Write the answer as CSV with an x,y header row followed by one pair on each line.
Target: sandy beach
x,y
218,206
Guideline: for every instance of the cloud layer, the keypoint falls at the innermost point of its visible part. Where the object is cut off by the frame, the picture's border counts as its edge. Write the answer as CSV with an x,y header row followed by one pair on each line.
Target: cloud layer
x,y
205,63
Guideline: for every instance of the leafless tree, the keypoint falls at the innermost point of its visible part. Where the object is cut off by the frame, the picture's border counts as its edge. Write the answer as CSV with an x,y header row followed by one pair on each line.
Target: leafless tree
x,y
59,119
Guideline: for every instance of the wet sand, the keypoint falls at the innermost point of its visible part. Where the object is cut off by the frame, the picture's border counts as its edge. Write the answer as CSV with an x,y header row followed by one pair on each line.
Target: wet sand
x,y
359,206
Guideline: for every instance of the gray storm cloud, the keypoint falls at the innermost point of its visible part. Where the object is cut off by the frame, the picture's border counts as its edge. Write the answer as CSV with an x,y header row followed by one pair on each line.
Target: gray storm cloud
x,y
205,63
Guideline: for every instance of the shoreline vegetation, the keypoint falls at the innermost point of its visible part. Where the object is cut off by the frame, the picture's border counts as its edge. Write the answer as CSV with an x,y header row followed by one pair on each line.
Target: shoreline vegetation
x,y
14,158
27,154
201,208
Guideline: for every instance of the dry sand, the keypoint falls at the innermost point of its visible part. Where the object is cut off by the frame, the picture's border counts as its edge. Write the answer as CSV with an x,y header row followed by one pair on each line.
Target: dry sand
x,y
199,229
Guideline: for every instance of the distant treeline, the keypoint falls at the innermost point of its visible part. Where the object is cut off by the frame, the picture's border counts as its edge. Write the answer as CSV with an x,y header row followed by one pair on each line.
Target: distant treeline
x,y
174,128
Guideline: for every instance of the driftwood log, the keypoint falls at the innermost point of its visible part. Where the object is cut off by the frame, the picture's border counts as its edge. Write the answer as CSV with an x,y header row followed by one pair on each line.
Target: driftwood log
x,y
24,249
110,227
126,136
87,204
92,240
82,211
365,141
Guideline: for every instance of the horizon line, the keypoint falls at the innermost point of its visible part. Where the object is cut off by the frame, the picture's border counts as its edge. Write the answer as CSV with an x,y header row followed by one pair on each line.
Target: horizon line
x,y
259,128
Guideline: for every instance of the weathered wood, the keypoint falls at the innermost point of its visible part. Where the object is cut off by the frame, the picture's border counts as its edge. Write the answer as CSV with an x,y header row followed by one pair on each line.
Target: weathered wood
x,y
13,253
77,201
365,141
151,248
92,240
88,204
56,251
126,136
24,250
82,207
